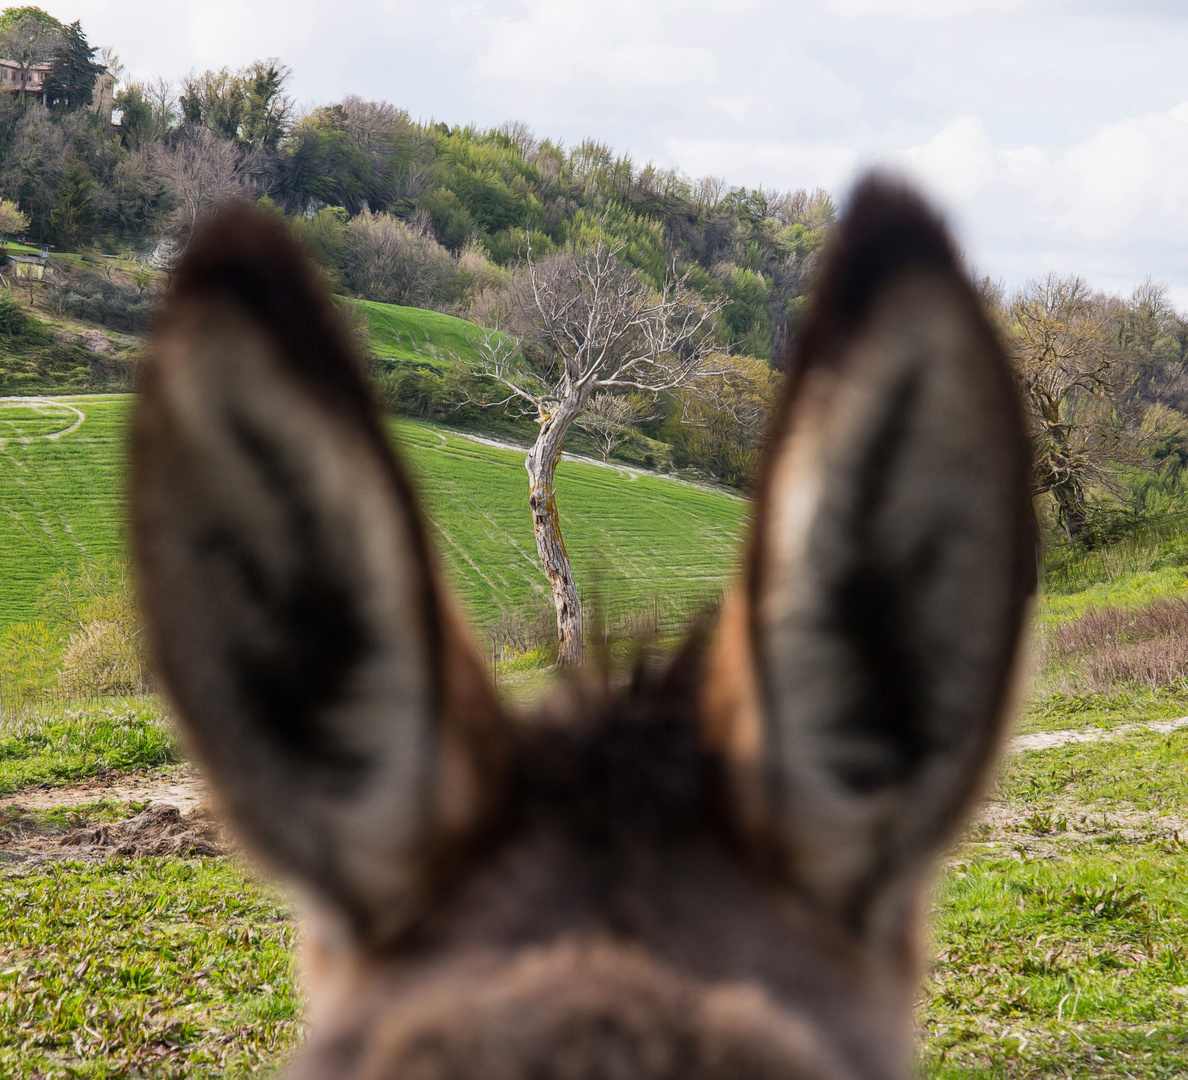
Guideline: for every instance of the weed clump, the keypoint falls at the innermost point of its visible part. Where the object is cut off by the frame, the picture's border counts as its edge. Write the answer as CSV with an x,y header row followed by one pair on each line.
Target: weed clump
x,y
1113,649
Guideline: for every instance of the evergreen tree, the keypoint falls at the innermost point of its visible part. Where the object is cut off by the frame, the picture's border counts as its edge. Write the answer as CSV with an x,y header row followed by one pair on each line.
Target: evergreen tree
x,y
71,82
73,216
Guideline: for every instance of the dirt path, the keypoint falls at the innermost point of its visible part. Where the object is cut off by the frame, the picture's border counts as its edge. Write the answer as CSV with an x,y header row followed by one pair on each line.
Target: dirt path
x,y
119,816
1049,740
184,789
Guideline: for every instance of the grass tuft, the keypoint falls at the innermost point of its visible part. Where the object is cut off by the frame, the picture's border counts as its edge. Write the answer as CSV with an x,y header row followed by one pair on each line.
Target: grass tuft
x,y
56,744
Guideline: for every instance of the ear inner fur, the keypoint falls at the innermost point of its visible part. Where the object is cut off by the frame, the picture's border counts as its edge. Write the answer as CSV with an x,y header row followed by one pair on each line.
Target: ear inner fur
x,y
834,373
274,357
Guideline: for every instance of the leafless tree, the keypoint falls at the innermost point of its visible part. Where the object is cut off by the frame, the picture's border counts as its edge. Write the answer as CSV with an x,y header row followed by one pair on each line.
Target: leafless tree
x,y
1068,372
110,59
161,94
610,418
520,135
600,328
202,173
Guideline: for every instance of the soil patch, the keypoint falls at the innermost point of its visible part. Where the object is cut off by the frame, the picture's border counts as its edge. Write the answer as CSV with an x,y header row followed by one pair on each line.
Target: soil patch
x,y
161,829
177,787
113,816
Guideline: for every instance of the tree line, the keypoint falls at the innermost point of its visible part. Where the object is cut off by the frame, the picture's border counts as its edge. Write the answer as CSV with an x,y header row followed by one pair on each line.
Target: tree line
x,y
397,209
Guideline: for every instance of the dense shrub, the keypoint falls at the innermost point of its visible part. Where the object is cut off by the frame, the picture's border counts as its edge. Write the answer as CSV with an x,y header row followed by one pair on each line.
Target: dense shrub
x,y
447,396
104,659
14,320
89,296
1115,649
395,262
720,427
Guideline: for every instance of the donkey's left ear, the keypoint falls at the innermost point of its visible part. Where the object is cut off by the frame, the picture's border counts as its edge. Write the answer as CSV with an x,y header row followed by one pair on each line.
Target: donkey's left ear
x,y
292,600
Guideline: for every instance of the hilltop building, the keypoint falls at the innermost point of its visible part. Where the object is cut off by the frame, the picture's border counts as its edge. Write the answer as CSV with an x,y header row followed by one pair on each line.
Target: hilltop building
x,y
104,92
10,78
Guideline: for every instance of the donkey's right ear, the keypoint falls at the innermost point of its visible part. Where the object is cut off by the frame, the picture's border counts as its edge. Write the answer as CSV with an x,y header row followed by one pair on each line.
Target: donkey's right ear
x,y
292,601
864,670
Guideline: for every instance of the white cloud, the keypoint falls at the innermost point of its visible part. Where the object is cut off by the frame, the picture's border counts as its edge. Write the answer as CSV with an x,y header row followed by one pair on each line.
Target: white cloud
x,y
770,164
1044,127
918,9
1113,206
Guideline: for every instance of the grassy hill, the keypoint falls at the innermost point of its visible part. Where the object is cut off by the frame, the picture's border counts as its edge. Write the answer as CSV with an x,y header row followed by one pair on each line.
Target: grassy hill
x,y
634,539
418,336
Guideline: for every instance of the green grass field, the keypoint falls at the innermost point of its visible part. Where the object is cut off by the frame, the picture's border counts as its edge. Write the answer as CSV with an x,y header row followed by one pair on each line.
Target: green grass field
x,y
61,499
1059,936
417,335
631,537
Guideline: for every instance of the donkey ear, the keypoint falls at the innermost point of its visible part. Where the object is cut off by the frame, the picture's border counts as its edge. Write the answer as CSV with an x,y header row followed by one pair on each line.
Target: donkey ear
x,y
291,599
864,673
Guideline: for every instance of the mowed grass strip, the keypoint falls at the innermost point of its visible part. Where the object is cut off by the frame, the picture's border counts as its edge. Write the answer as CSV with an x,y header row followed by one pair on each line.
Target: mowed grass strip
x,y
631,538
61,500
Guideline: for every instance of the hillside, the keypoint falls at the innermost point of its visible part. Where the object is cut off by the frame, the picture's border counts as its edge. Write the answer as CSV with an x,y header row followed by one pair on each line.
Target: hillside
x,y
419,336
670,542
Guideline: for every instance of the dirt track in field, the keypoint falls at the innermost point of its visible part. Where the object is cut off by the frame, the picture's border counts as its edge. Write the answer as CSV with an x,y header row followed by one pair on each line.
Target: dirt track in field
x,y
177,787
1049,740
167,813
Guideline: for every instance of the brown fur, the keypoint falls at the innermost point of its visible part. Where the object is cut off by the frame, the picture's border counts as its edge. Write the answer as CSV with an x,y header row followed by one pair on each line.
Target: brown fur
x,y
675,879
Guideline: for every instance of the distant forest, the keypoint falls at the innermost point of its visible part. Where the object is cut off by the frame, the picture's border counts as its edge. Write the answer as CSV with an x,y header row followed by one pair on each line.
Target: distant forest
x,y
456,203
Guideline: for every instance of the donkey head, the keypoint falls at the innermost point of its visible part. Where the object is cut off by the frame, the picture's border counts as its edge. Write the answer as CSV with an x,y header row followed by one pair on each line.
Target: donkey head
x,y
716,872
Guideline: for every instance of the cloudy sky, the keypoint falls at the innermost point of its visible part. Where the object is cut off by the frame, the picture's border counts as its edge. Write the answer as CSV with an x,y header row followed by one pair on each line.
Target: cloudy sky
x,y
1054,132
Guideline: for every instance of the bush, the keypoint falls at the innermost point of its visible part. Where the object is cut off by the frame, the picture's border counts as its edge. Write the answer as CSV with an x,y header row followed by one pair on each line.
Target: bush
x,y
395,262
446,396
89,296
721,427
1115,649
104,655
104,659
14,320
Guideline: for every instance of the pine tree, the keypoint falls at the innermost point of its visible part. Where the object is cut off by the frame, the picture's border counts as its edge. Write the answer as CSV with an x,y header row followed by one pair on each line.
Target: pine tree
x,y
73,216
71,82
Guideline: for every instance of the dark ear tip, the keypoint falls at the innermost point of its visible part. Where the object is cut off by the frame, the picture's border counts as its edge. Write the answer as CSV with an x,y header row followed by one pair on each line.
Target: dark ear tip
x,y
887,228
249,256
238,237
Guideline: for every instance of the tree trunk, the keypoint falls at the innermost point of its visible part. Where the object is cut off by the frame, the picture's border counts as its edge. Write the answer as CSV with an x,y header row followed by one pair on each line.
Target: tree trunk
x,y
1070,502
541,464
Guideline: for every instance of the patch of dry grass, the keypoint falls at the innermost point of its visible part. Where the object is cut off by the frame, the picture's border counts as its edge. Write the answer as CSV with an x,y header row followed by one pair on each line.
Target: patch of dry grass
x,y
1113,649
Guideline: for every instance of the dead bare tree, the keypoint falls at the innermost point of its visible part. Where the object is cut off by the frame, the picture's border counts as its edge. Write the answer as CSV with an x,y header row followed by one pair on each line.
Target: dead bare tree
x,y
202,173
1068,373
599,327
609,419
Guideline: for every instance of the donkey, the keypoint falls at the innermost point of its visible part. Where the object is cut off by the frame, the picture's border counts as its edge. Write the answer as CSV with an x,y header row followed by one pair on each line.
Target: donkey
x,y
715,871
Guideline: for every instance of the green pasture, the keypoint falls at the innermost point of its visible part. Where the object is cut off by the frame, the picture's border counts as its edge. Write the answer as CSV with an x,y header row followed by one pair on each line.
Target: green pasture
x,y
634,538
1058,945
61,499
144,967
631,536
418,336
